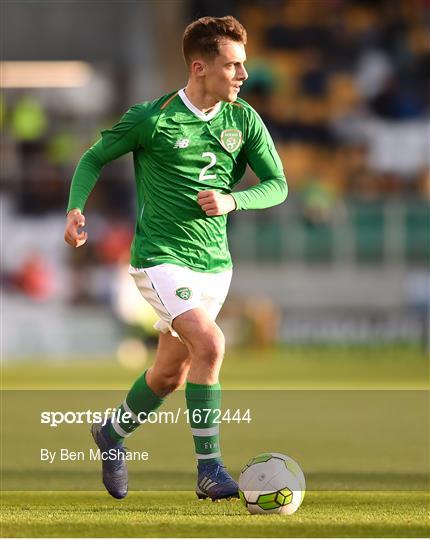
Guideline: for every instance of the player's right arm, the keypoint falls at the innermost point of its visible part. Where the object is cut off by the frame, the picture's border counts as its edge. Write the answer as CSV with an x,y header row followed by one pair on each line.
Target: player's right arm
x,y
124,137
74,221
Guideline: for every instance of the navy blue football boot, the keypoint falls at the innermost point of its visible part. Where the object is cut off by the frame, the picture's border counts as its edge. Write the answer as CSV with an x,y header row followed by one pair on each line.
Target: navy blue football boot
x,y
213,481
115,474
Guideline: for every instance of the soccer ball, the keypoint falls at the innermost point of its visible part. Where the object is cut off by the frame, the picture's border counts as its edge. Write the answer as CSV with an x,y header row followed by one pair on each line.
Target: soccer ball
x,y
272,484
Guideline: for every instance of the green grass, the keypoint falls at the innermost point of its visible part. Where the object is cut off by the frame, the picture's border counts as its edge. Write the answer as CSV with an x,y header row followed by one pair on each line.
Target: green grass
x,y
401,366
323,437
180,514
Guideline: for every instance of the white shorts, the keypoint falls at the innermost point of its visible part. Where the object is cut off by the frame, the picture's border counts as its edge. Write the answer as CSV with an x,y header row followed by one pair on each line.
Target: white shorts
x,y
172,290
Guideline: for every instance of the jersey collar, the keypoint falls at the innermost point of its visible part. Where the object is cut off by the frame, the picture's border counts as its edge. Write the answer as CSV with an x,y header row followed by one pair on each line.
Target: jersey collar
x,y
196,111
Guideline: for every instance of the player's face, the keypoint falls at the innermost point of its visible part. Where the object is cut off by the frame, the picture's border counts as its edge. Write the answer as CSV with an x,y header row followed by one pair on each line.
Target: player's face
x,y
226,73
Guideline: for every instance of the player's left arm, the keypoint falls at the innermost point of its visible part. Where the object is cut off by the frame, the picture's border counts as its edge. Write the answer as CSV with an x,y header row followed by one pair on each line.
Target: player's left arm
x,y
214,203
264,160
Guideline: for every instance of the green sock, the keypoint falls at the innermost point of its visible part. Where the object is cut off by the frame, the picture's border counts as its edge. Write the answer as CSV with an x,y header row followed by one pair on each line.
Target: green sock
x,y
200,398
140,400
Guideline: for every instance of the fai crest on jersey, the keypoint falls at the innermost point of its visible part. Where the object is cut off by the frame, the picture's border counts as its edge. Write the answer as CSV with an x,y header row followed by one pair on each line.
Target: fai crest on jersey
x,y
231,139
184,293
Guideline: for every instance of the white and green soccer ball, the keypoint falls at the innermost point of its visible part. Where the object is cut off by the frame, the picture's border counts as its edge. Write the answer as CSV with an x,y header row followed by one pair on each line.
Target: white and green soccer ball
x,y
272,483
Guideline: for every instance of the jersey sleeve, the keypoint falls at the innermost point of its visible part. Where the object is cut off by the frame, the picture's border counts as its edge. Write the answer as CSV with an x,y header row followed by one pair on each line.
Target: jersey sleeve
x,y
264,160
127,135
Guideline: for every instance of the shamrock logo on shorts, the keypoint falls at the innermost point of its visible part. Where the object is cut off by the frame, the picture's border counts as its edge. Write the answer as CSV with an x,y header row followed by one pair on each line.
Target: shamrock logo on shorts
x,y
184,293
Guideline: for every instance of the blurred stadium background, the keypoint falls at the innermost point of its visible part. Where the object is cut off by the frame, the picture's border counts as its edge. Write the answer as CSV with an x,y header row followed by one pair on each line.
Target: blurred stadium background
x,y
344,87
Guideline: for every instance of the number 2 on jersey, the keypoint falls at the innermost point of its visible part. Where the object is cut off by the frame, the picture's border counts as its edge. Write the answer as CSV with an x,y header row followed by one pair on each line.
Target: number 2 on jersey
x,y
203,175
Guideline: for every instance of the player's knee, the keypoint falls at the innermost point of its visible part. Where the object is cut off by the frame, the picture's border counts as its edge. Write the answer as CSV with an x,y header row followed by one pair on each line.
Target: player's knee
x,y
211,346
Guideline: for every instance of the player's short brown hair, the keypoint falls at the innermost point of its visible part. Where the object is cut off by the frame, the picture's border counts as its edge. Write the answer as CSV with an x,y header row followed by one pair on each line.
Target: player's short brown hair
x,y
202,37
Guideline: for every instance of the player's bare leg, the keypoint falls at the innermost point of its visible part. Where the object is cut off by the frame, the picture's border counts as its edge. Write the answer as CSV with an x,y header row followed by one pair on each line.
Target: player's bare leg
x,y
171,365
205,343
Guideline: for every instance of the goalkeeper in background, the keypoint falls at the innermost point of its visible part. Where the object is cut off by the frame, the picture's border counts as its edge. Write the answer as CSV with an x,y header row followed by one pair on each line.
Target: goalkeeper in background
x,y
190,148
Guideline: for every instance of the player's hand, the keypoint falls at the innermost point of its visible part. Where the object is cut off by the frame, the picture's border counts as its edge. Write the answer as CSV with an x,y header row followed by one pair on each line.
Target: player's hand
x,y
75,220
215,204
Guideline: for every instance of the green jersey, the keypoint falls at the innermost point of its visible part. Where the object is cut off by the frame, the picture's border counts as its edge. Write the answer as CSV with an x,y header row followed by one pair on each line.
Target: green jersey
x,y
179,151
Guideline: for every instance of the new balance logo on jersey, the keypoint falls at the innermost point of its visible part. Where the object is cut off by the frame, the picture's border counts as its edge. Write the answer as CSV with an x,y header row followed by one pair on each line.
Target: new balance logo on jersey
x,y
182,143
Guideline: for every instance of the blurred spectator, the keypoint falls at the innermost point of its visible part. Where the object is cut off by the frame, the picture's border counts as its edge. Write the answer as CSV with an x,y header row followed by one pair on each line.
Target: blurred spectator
x,y
362,182
28,120
35,278
373,70
113,244
314,76
397,101
318,202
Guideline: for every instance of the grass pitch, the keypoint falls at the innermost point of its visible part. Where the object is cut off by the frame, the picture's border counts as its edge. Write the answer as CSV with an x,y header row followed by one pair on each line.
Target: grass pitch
x,y
178,513
321,367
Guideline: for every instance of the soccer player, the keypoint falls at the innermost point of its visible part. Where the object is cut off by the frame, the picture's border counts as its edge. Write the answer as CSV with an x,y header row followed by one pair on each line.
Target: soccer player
x,y
190,148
